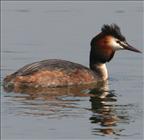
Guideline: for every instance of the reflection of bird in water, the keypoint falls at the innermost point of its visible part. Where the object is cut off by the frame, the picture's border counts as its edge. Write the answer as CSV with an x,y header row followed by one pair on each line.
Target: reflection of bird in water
x,y
48,93
102,103
103,112
107,131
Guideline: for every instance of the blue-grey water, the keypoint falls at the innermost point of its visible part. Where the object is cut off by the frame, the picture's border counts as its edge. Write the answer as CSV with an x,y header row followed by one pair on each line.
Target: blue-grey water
x,y
33,31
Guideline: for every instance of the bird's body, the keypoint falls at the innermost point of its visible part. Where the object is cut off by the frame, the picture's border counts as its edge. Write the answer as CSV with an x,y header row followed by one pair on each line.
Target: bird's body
x,y
59,73
52,73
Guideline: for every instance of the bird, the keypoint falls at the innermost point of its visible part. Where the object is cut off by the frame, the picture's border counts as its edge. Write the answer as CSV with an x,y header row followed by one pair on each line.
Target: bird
x,y
62,73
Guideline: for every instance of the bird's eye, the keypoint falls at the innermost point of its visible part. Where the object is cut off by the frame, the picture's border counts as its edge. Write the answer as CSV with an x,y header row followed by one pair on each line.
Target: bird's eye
x,y
117,41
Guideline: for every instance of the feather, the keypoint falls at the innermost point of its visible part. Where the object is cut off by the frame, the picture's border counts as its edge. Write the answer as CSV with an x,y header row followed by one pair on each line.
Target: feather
x,y
113,30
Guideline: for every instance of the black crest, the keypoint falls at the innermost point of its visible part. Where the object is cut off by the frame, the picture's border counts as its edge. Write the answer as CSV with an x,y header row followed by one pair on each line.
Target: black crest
x,y
113,30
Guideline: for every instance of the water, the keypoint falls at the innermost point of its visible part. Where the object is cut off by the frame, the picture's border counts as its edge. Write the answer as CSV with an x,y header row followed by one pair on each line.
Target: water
x,y
33,31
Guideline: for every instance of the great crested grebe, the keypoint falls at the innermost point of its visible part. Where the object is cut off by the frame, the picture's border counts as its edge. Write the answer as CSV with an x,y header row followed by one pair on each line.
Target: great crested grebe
x,y
59,73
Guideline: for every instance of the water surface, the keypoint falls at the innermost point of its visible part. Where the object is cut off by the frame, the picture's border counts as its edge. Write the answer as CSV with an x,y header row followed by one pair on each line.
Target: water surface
x,y
33,31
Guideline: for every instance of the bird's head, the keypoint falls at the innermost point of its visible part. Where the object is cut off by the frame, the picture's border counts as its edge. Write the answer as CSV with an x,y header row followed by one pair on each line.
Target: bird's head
x,y
106,43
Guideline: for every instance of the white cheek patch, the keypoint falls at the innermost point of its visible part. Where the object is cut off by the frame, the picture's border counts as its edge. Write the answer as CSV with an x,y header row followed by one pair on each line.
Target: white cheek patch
x,y
115,45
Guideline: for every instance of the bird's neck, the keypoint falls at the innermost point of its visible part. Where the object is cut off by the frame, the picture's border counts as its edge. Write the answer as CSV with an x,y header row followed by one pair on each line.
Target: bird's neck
x,y
98,65
99,55
100,70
